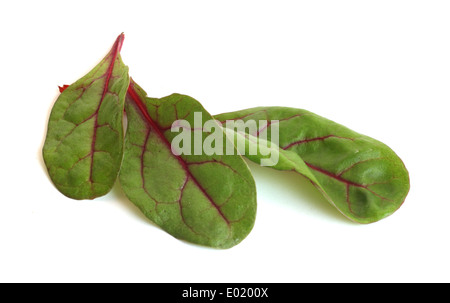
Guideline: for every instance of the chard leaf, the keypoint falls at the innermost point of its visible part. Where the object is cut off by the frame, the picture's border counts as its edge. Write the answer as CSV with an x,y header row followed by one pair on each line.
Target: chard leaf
x,y
84,144
204,199
362,177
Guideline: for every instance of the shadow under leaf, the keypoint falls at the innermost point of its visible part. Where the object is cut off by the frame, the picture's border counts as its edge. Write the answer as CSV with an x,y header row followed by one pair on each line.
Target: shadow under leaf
x,y
293,184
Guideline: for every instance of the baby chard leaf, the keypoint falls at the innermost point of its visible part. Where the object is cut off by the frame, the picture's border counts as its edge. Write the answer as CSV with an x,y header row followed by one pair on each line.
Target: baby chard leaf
x,y
204,199
362,177
84,144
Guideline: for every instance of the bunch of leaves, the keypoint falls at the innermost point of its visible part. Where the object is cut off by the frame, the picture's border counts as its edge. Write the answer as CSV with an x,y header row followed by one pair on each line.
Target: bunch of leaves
x,y
205,199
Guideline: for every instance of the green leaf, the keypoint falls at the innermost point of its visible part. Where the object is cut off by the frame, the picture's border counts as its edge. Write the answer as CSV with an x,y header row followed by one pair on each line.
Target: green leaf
x,y
204,199
84,145
362,177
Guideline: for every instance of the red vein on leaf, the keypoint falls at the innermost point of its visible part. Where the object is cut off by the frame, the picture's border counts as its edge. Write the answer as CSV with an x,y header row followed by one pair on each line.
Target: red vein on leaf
x,y
142,108
71,131
348,183
325,172
114,54
106,124
180,205
242,117
378,195
109,126
78,161
144,149
354,164
347,198
314,139
215,162
175,110
269,123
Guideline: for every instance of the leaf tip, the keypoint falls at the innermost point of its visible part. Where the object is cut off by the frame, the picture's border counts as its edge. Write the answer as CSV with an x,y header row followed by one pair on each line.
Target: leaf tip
x,y
119,41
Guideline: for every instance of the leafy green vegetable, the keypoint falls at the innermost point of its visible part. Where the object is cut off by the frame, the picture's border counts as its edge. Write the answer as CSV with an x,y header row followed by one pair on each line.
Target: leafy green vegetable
x,y
362,177
84,145
204,199
191,181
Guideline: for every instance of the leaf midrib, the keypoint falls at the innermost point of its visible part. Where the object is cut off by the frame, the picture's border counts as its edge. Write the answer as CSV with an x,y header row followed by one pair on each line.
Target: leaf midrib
x,y
142,108
113,55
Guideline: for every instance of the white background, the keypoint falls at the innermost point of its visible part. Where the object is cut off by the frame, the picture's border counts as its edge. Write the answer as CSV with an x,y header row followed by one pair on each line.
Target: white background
x,y
381,68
